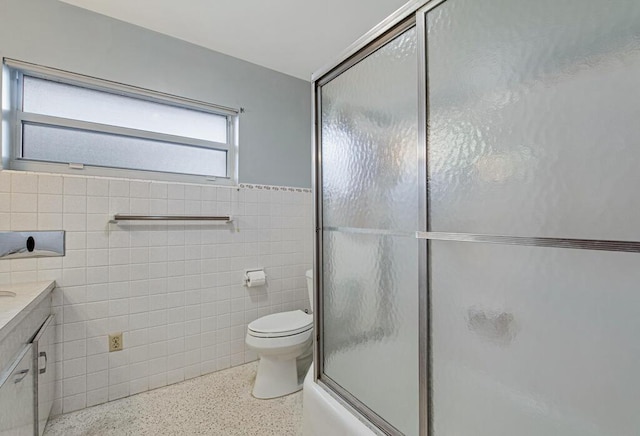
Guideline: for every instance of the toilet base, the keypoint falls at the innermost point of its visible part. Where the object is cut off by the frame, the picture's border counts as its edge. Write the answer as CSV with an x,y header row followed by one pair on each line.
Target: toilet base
x,y
276,378
278,372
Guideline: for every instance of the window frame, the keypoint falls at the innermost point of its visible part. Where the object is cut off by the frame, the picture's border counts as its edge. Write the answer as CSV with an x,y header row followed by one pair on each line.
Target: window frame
x,y
14,118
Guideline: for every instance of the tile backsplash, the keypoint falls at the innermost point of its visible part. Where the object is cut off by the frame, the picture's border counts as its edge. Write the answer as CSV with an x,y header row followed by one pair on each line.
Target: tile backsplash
x,y
174,289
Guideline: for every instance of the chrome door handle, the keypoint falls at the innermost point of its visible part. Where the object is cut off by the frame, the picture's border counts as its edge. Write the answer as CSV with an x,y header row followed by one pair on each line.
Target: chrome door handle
x,y
44,369
20,375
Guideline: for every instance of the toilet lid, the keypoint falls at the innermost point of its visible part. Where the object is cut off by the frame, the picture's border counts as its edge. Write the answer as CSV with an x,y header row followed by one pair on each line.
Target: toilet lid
x,y
281,324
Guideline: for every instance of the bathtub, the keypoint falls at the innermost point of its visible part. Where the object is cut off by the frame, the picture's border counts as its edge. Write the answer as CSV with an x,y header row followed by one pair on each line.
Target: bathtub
x,y
465,389
323,415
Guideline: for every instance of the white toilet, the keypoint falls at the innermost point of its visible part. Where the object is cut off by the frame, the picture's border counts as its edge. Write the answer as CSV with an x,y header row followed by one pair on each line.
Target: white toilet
x,y
282,341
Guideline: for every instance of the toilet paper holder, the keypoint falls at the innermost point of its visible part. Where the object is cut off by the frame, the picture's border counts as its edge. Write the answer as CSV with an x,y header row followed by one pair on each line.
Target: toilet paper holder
x,y
246,275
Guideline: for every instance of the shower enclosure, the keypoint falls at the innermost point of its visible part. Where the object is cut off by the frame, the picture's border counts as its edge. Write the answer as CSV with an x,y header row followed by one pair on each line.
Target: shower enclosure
x,y
477,254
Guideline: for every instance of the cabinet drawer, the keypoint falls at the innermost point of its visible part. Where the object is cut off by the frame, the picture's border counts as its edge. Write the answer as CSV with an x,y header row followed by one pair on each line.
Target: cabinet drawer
x,y
17,414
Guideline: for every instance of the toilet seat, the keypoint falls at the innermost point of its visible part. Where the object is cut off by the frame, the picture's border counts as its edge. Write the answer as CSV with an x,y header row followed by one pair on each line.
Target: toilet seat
x,y
281,324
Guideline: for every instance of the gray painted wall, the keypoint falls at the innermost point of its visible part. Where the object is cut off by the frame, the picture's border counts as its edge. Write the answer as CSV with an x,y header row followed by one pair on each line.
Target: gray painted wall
x,y
275,144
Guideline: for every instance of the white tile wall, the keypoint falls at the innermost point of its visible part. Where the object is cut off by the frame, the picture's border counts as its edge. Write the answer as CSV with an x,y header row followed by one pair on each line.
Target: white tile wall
x,y
174,290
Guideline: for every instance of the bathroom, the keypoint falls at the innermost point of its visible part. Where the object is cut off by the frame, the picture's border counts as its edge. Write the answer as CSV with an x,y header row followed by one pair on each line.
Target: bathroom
x,y
365,218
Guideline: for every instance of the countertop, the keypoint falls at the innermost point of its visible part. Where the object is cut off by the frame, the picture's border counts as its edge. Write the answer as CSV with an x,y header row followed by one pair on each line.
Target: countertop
x,y
14,309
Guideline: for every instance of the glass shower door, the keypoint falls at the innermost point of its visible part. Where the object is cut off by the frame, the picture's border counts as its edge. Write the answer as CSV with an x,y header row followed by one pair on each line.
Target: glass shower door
x,y
369,195
534,266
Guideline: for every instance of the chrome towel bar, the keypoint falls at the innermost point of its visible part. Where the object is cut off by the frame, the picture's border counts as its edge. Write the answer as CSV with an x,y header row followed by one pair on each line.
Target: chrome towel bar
x,y
119,217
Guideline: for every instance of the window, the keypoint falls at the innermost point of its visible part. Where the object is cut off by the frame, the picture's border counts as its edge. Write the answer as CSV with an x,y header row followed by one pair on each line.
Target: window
x,y
86,123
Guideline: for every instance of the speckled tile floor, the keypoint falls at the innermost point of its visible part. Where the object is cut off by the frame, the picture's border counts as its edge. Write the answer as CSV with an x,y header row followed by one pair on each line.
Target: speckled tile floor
x,y
214,404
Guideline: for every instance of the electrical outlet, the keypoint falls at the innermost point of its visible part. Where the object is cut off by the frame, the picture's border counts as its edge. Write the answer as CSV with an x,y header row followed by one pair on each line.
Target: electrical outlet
x,y
115,342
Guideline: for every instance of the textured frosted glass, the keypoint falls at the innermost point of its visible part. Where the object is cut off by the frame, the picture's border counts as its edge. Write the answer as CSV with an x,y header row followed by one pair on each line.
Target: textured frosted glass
x,y
67,101
534,109
534,341
369,140
370,322
56,144
369,169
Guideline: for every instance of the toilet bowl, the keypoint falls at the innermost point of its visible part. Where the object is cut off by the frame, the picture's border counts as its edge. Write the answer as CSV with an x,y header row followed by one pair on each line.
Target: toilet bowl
x,y
282,341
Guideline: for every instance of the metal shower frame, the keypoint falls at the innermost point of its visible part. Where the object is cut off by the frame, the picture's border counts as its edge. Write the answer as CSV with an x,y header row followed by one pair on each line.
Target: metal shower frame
x,y
413,14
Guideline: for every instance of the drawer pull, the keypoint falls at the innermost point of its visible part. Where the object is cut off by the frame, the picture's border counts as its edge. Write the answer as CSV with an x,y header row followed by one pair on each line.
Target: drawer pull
x,y
20,375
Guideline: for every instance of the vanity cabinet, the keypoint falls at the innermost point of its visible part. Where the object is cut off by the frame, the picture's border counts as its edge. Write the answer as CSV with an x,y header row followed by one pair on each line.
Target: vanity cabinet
x,y
27,361
27,386
17,411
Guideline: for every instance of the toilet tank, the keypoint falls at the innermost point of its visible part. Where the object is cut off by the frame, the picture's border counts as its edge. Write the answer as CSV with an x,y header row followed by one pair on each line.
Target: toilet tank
x,y
309,275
